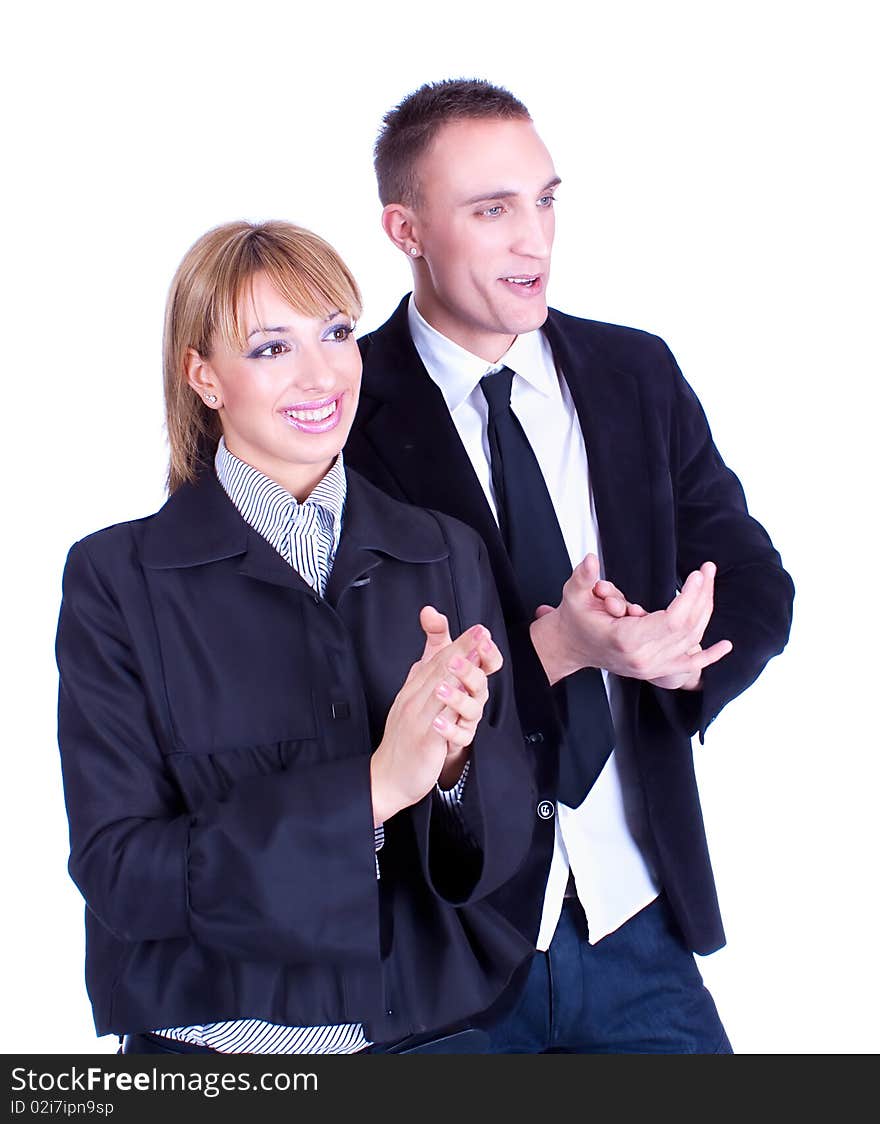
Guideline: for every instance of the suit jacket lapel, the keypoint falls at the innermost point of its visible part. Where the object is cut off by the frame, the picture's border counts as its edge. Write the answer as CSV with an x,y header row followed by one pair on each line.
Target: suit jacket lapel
x,y
200,524
413,433
610,413
374,526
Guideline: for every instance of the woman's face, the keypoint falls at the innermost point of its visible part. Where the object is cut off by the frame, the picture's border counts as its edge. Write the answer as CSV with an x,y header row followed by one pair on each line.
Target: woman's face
x,y
286,403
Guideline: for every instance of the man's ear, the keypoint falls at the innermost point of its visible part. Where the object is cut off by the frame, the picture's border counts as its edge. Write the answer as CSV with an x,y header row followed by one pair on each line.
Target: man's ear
x,y
400,224
200,376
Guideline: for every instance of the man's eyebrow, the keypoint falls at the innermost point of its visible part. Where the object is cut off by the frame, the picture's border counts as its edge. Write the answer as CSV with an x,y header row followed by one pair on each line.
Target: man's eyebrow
x,y
507,193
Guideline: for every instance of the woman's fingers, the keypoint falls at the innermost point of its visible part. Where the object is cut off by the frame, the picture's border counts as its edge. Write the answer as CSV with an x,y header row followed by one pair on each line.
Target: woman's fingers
x,y
465,706
436,629
460,735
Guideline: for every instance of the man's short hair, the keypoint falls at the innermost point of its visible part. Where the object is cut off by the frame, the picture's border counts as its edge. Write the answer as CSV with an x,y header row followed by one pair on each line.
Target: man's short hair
x,y
408,129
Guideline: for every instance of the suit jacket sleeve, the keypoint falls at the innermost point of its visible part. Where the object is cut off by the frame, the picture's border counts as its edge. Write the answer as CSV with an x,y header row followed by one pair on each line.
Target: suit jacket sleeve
x,y
498,804
280,868
753,593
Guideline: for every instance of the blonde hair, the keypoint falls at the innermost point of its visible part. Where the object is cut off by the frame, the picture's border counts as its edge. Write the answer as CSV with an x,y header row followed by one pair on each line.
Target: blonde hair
x,y
205,306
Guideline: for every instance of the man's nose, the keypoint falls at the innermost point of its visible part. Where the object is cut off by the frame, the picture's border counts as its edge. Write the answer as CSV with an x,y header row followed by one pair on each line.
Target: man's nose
x,y
534,233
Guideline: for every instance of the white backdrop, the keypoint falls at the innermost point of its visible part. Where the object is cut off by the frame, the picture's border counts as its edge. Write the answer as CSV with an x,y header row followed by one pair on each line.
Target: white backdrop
x,y
717,190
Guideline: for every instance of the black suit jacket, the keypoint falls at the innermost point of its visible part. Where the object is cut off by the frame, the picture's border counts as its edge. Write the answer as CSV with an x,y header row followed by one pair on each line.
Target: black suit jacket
x,y
216,722
665,503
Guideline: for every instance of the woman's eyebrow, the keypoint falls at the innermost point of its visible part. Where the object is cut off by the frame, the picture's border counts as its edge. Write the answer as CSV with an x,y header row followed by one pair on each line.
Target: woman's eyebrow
x,y
257,331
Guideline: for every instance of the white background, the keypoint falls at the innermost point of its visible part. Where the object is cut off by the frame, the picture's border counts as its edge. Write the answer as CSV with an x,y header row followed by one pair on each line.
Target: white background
x,y
718,189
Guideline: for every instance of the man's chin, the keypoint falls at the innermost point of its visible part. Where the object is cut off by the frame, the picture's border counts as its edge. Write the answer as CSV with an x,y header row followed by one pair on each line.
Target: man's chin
x,y
518,321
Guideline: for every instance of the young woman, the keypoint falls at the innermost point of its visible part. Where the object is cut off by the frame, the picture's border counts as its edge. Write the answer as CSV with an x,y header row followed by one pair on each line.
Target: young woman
x,y
289,789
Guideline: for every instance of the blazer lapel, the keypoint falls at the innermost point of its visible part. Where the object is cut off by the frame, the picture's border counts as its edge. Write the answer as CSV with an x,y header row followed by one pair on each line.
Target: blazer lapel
x,y
376,526
200,524
609,410
412,432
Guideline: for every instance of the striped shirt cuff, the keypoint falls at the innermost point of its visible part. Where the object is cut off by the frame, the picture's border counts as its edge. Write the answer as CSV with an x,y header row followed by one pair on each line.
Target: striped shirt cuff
x,y
448,802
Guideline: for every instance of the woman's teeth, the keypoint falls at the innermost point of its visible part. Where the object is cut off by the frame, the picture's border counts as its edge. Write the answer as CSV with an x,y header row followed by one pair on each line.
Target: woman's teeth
x,y
313,415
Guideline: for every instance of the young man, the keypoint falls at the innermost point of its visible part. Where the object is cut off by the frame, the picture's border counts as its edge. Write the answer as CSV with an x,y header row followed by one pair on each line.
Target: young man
x,y
563,441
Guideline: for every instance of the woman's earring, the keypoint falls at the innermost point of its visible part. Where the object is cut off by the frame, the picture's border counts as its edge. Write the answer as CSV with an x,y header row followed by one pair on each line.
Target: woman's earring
x,y
212,398
414,251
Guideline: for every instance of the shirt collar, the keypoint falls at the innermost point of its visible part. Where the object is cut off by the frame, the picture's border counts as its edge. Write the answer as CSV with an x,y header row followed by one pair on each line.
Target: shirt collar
x,y
263,503
457,372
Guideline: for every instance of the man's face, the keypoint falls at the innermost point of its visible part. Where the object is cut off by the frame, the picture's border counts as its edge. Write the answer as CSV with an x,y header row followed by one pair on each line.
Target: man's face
x,y
484,224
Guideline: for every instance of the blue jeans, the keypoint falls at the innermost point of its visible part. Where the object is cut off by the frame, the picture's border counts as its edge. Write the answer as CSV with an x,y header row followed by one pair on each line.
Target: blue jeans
x,y
637,991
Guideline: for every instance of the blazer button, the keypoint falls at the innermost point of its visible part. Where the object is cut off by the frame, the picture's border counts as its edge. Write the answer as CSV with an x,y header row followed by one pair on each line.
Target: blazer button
x,y
546,810
535,738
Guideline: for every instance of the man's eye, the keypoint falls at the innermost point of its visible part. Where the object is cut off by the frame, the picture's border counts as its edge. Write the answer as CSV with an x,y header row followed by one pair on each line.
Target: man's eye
x,y
493,212
546,200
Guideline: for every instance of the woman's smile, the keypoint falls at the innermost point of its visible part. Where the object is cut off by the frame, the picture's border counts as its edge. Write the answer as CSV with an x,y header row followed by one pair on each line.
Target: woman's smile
x,y
316,416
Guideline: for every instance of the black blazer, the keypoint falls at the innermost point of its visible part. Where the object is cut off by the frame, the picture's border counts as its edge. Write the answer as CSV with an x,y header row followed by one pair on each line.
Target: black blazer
x,y
665,503
216,723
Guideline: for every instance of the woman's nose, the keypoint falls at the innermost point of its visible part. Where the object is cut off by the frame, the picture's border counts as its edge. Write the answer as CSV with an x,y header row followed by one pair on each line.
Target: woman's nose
x,y
315,370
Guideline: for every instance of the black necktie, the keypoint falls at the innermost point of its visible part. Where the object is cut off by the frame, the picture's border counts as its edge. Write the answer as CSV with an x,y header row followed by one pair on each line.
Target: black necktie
x,y
540,561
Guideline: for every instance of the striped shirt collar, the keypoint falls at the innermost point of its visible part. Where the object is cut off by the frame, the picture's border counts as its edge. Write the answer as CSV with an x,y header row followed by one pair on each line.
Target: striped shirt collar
x,y
274,513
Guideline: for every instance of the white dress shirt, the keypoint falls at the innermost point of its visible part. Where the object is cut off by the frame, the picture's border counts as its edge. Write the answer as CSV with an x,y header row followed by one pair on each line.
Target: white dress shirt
x,y
605,841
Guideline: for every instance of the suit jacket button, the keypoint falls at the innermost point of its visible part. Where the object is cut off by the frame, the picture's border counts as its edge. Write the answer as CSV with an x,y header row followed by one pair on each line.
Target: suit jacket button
x,y
546,810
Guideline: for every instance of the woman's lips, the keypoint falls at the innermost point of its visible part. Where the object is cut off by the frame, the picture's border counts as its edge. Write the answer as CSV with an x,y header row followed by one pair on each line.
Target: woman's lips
x,y
318,416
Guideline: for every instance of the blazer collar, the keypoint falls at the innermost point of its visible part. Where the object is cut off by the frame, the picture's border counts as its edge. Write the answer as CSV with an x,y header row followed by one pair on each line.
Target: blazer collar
x,y
409,424
199,524
411,427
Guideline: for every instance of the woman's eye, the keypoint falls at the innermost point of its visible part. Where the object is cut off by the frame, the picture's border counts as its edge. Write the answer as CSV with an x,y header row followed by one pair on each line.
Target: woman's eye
x,y
339,333
270,350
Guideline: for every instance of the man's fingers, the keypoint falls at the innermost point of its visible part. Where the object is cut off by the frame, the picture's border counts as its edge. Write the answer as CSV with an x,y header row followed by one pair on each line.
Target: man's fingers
x,y
681,606
714,653
691,610
586,572
543,610
705,609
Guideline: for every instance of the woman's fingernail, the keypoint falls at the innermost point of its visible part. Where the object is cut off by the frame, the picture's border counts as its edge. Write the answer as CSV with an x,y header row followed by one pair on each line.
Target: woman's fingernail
x,y
456,663
443,691
439,723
